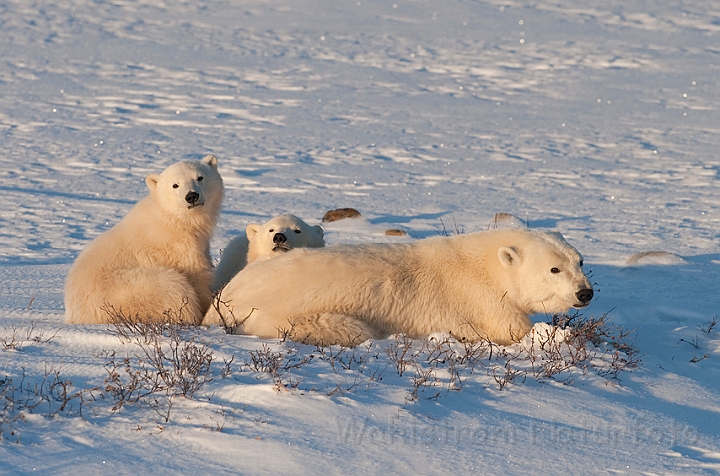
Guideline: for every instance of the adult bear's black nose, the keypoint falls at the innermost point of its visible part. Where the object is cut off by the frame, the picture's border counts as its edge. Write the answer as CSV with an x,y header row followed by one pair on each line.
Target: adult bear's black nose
x,y
279,238
192,197
584,295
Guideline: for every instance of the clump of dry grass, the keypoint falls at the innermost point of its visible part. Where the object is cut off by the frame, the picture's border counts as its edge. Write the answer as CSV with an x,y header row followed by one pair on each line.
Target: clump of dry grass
x,y
14,337
49,394
164,363
560,350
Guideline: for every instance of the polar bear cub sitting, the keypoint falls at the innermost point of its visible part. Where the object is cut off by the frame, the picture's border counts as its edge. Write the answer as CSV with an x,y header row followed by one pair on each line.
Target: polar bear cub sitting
x,y
475,286
260,242
155,264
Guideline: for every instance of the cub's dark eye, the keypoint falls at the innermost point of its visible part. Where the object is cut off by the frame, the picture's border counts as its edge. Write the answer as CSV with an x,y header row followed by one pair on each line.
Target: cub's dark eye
x,y
200,178
298,231
554,270
271,230
581,263
175,185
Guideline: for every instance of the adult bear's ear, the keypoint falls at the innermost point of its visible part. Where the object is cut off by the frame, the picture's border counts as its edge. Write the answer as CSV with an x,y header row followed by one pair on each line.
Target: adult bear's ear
x,y
557,235
251,230
152,181
211,160
318,229
508,256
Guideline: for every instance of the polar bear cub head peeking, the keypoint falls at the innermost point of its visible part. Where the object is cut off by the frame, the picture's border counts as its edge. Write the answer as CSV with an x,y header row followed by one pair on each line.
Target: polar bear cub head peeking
x,y
281,234
261,242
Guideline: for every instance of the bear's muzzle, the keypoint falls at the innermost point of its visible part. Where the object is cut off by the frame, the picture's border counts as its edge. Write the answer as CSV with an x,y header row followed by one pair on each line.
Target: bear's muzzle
x,y
193,199
584,297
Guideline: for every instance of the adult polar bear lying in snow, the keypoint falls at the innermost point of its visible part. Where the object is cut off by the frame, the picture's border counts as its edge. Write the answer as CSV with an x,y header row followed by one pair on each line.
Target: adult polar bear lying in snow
x,y
474,286
155,264
260,242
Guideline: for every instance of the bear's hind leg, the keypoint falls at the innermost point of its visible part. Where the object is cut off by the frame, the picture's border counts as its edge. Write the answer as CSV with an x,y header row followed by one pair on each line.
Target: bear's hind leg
x,y
329,329
153,294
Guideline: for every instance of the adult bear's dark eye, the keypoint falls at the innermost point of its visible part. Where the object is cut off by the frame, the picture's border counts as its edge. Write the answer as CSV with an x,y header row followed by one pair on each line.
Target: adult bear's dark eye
x,y
298,231
200,178
271,230
175,185
554,270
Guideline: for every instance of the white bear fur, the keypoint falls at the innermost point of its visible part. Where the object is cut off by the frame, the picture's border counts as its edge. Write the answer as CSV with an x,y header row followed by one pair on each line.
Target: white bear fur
x,y
155,264
476,286
257,244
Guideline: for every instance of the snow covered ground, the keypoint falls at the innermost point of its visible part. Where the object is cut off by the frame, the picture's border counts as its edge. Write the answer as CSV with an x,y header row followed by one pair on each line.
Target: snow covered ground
x,y
599,119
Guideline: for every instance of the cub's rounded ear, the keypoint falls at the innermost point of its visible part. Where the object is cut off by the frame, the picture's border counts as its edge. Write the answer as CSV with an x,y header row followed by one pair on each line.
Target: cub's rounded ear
x,y
152,181
211,160
318,229
508,256
251,230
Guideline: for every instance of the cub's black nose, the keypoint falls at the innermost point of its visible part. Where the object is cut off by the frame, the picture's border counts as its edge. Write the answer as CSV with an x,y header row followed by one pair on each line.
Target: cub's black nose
x,y
279,238
584,295
192,197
